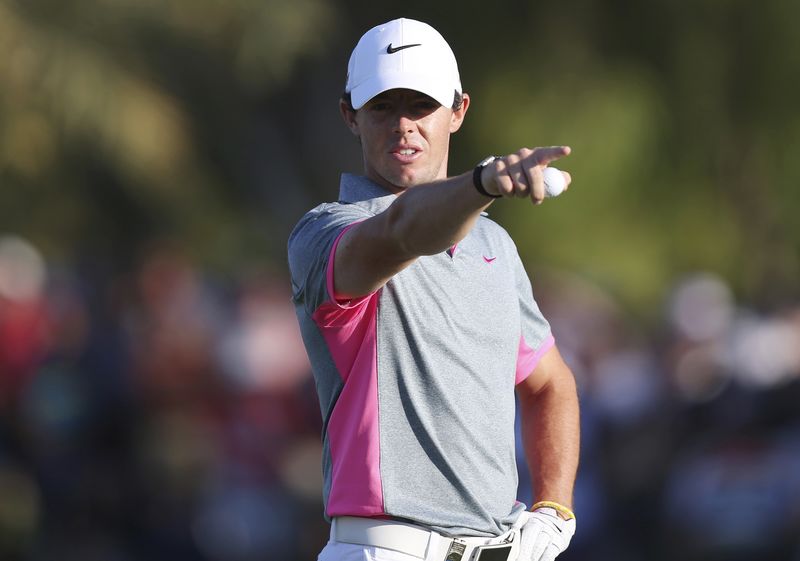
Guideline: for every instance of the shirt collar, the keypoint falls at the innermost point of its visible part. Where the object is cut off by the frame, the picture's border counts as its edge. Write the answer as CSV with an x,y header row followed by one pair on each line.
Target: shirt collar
x,y
359,189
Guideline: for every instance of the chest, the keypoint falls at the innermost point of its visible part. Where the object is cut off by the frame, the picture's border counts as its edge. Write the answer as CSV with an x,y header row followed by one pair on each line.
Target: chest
x,y
470,291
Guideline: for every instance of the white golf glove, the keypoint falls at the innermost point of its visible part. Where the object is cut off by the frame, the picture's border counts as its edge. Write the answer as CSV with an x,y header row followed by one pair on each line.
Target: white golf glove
x,y
544,535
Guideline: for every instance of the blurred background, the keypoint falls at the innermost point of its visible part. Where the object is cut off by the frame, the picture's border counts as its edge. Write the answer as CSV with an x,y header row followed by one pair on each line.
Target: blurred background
x,y
155,398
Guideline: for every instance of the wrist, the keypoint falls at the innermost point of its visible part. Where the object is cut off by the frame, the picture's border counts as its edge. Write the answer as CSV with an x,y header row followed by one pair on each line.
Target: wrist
x,y
478,177
562,511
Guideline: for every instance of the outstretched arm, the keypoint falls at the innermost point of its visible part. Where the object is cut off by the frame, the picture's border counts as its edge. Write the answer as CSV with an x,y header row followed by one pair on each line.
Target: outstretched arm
x,y
428,219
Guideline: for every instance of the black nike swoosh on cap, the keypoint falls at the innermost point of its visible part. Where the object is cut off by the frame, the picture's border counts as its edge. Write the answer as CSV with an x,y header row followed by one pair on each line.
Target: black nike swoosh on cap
x,y
392,50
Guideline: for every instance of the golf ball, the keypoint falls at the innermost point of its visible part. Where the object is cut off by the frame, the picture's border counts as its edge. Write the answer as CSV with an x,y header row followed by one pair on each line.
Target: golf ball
x,y
554,181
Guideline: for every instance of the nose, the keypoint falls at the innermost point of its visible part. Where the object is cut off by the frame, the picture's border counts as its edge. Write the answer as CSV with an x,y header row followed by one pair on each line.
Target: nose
x,y
403,122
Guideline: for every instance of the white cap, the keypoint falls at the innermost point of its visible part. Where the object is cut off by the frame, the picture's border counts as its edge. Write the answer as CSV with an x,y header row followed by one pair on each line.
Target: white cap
x,y
403,53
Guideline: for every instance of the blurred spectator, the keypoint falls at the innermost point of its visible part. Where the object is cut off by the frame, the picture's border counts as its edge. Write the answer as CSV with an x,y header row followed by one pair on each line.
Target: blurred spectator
x,y
23,321
165,413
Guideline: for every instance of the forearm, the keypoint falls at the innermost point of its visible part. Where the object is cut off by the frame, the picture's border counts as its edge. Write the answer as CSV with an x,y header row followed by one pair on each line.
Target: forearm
x,y
551,437
428,219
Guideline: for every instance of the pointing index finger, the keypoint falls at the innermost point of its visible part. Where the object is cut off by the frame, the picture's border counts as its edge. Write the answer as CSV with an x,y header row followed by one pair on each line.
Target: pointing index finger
x,y
551,153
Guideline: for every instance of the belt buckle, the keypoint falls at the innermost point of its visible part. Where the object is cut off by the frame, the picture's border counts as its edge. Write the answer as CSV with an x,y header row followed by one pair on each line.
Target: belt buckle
x,y
492,552
456,550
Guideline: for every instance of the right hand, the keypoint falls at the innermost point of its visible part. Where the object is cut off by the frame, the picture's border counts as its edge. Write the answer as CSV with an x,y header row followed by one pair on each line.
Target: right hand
x,y
520,174
544,535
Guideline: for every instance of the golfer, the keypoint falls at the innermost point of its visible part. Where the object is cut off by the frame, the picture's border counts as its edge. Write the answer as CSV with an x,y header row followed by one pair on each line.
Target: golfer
x,y
420,323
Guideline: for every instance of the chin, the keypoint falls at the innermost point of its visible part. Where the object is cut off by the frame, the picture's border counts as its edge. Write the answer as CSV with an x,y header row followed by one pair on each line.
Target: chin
x,y
404,178
407,182
410,178
402,181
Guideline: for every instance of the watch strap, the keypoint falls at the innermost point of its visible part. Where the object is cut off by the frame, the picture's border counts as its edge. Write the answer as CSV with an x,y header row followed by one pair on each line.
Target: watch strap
x,y
476,177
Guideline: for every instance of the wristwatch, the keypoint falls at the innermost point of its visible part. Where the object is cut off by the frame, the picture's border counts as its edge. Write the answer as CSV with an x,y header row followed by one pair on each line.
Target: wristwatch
x,y
476,176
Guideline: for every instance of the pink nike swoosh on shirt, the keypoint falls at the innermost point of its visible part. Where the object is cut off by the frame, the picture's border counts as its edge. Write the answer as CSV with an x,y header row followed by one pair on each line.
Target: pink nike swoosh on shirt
x,y
489,259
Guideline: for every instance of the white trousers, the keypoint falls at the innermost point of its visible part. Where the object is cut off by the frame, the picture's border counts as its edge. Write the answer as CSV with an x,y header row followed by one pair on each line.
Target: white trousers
x,y
336,551
340,551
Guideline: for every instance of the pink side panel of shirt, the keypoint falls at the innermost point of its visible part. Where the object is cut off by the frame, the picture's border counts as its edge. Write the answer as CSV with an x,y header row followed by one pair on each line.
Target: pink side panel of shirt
x,y
349,329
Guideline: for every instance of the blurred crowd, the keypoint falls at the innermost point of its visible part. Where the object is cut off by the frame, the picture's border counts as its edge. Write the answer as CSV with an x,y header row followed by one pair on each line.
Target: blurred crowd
x,y
169,413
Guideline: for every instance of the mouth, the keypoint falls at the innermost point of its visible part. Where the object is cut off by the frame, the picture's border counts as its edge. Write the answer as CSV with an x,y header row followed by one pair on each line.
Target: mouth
x,y
406,154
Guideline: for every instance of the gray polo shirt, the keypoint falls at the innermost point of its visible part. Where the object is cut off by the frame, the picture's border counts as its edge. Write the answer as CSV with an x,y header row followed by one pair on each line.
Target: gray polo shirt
x,y
416,381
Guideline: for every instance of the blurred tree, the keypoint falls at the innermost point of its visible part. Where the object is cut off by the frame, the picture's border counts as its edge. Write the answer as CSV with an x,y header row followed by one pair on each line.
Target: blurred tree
x,y
681,119
123,121
214,124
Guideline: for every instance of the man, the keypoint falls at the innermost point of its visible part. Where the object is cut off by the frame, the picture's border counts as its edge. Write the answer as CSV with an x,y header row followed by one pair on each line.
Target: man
x,y
420,323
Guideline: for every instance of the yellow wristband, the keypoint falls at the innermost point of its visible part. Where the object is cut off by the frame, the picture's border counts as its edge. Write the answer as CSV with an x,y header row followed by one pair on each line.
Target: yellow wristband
x,y
565,513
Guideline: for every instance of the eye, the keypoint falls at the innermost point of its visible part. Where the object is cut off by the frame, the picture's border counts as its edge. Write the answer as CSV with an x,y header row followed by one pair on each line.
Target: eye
x,y
426,104
380,106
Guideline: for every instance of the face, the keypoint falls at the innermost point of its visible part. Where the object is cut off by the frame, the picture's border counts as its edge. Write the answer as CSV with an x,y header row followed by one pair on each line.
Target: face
x,y
405,137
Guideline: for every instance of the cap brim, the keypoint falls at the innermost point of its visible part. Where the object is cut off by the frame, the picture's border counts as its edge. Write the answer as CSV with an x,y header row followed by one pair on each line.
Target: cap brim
x,y
440,90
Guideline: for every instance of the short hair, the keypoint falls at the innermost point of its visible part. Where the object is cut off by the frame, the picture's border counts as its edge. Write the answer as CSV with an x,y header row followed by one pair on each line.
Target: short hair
x,y
458,100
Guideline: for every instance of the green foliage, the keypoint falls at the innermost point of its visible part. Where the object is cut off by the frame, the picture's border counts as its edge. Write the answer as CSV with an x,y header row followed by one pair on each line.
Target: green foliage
x,y
213,124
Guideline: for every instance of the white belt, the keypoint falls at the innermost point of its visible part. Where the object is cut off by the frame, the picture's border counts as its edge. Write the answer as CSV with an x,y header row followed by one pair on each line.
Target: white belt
x,y
415,540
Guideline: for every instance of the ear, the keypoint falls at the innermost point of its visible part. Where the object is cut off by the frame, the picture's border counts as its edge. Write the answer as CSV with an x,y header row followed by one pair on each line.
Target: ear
x,y
458,115
349,117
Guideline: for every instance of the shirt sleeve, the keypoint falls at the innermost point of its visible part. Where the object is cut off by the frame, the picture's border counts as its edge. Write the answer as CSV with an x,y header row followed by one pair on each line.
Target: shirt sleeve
x,y
536,337
311,249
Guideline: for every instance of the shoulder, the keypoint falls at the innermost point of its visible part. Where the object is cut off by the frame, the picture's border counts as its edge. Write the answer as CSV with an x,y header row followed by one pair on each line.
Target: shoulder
x,y
316,231
493,233
324,218
490,226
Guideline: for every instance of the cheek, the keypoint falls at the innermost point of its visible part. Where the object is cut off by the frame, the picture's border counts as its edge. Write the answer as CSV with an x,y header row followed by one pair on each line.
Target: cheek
x,y
439,137
368,139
